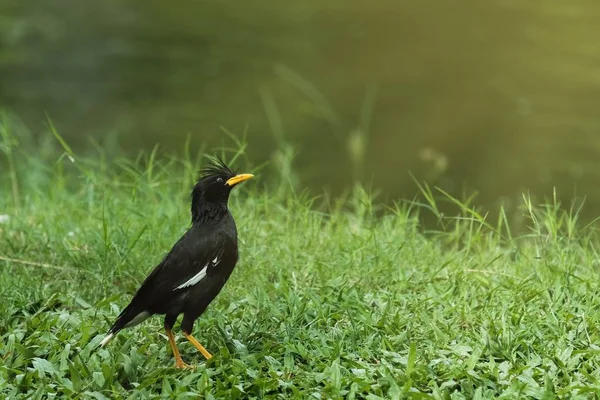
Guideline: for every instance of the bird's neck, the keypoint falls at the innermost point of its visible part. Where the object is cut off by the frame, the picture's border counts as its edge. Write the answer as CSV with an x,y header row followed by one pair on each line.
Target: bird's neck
x,y
209,215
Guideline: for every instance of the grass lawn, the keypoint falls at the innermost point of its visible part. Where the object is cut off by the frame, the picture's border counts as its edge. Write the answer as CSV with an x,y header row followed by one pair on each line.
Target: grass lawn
x,y
331,298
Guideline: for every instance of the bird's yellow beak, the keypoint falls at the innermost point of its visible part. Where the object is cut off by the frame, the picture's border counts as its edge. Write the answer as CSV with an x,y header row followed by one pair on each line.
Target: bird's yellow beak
x,y
238,179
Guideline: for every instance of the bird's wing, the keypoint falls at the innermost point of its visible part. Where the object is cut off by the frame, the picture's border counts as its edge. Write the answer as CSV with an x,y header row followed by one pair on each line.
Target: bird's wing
x,y
188,263
194,280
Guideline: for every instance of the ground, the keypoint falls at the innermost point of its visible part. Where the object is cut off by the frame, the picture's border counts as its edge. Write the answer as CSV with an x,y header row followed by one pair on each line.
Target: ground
x,y
331,298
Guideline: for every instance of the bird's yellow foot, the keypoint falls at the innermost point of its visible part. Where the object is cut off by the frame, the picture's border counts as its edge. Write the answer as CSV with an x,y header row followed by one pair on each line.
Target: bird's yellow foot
x,y
178,361
181,365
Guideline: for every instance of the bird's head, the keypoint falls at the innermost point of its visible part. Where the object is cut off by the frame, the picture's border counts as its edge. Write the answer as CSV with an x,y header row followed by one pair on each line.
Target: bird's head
x,y
211,192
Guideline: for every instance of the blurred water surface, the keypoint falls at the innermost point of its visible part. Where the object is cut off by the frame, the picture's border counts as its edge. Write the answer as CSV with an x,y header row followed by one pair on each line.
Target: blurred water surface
x,y
498,96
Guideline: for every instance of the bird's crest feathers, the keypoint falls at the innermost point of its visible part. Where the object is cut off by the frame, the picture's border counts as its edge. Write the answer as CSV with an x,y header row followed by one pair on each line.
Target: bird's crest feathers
x,y
215,166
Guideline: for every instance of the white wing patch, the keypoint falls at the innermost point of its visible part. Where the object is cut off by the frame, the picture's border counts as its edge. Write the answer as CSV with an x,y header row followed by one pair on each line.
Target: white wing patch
x,y
194,279
200,275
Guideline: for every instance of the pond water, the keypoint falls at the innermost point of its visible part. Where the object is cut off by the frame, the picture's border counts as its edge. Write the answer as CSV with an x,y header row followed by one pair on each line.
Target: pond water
x,y
499,96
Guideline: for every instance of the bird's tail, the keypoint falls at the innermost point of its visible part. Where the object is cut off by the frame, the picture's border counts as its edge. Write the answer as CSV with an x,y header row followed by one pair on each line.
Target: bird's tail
x,y
130,316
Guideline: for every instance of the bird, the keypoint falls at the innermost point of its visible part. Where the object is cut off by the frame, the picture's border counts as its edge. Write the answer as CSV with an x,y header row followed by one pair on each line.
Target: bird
x,y
196,268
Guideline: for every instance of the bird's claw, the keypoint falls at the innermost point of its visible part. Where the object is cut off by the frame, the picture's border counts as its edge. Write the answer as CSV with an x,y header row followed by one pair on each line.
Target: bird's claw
x,y
182,365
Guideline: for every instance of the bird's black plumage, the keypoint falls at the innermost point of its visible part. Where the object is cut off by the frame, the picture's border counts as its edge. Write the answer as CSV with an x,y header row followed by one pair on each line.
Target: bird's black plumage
x,y
193,273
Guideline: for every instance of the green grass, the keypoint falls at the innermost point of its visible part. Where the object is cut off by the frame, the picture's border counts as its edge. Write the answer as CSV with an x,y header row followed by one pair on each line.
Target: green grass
x,y
331,298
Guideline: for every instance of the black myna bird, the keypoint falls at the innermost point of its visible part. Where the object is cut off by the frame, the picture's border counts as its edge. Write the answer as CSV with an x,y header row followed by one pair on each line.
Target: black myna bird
x,y
197,267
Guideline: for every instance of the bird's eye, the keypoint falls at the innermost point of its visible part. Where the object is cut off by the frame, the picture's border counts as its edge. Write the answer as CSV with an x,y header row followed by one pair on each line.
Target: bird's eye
x,y
219,180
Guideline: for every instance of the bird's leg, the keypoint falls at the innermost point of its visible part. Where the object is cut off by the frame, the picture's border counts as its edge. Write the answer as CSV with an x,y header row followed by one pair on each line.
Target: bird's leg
x,y
169,321
197,344
186,326
178,361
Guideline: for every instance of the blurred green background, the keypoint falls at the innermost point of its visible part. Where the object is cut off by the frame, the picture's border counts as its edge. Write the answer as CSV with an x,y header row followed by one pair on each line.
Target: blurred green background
x,y
498,96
